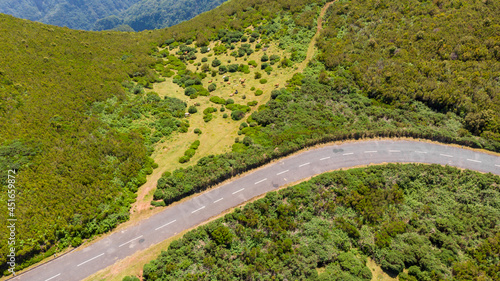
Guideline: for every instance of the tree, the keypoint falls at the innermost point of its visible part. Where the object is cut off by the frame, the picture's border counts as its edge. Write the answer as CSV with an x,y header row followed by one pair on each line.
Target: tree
x,y
192,109
257,75
264,58
216,63
237,115
222,236
212,87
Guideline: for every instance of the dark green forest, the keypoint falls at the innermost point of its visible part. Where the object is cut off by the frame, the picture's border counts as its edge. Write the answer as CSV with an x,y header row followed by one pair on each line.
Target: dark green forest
x,y
432,222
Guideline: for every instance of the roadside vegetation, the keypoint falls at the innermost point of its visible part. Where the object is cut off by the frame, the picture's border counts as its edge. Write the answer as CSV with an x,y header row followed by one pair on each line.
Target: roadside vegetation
x,y
83,114
418,222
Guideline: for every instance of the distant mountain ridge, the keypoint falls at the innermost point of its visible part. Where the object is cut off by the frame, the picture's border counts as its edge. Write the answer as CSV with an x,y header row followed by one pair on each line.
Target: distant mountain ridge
x,y
108,14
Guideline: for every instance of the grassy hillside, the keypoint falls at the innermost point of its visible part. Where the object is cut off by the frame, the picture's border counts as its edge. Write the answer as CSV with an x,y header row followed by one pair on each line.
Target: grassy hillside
x,y
78,126
76,175
417,222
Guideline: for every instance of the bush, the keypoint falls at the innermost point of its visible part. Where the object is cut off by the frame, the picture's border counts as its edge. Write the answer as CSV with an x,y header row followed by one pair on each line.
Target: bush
x,y
257,75
252,89
189,153
195,144
204,59
237,115
229,101
259,92
243,125
252,63
263,81
192,109
222,69
232,67
208,117
197,131
222,109
217,100
216,63
252,103
189,91
184,159
212,87
209,110
225,115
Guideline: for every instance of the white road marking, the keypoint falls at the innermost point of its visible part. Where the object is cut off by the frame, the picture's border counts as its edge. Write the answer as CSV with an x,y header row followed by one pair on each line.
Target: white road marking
x,y
420,151
91,259
351,153
52,277
130,241
282,172
238,191
261,181
324,158
305,164
371,151
217,200
165,225
201,208
497,165
472,160
394,151
445,155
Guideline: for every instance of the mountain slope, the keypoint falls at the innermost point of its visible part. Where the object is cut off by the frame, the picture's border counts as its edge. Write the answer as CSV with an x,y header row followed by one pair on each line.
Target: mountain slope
x,y
75,14
154,14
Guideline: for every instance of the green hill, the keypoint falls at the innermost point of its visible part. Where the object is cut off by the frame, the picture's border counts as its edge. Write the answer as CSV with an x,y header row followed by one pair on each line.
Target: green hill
x,y
81,112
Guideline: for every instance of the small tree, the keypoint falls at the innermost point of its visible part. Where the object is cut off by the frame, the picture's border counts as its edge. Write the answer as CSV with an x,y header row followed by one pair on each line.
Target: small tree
x,y
197,131
192,109
212,87
216,63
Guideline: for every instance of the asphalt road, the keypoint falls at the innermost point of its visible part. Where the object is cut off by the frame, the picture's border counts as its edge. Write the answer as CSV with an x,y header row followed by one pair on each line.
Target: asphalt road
x,y
80,264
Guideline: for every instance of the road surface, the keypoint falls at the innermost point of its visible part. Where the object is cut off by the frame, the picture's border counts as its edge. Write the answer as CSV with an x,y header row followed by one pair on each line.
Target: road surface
x,y
80,264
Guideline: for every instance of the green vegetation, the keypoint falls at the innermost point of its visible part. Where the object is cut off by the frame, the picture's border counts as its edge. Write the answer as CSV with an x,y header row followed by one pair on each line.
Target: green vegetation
x,y
420,50
188,154
412,217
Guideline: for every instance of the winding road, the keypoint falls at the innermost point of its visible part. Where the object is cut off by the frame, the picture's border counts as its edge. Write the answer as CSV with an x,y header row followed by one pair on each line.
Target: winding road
x,y
80,264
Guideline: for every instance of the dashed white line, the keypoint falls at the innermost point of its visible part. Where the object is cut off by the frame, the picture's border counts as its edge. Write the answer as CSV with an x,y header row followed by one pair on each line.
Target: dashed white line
x,y
261,181
91,259
351,153
324,158
445,155
305,164
424,152
165,225
394,151
217,200
130,241
282,172
371,151
201,208
472,160
52,277
238,191
497,165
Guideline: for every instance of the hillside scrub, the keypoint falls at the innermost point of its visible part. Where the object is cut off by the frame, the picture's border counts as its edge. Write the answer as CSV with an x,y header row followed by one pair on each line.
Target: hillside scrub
x,y
445,54
410,218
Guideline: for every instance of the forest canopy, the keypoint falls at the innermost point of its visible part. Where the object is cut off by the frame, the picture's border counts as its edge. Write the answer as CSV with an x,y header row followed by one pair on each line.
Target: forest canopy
x,y
418,222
